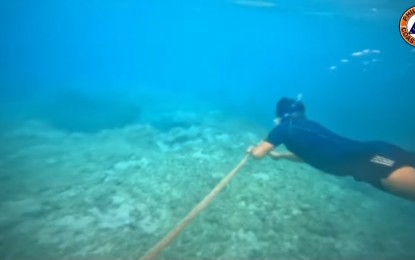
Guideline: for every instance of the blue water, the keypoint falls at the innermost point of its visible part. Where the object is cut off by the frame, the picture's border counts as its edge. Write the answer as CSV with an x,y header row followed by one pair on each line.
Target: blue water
x,y
91,67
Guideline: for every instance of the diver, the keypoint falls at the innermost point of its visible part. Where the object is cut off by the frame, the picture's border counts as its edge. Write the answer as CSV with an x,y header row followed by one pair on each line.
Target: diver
x,y
383,165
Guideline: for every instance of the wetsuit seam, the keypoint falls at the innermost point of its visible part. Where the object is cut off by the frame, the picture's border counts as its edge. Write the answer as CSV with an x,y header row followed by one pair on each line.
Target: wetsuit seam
x,y
321,135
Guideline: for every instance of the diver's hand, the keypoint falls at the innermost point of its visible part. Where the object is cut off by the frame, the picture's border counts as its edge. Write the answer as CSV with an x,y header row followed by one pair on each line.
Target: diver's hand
x,y
276,155
250,149
287,156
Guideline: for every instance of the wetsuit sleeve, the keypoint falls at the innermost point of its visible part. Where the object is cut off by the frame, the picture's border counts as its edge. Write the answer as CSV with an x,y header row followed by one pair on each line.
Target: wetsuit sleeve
x,y
276,136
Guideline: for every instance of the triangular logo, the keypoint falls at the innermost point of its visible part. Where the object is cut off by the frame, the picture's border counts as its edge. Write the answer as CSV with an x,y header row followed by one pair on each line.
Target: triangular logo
x,y
412,31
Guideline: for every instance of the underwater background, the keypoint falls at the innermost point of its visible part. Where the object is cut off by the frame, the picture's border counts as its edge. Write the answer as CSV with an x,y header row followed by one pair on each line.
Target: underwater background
x,y
118,117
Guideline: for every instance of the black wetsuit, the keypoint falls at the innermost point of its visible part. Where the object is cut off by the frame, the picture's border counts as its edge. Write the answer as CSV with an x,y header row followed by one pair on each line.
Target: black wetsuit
x,y
314,144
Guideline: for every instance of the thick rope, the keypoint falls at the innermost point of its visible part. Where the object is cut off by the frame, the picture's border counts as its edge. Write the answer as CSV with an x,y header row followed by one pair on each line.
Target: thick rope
x,y
155,250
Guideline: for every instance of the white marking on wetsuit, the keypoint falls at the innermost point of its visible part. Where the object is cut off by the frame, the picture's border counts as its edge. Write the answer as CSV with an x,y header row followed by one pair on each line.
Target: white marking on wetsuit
x,y
382,160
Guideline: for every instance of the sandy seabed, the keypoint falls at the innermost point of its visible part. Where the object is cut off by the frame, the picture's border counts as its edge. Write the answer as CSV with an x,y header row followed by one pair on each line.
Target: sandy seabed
x,y
115,193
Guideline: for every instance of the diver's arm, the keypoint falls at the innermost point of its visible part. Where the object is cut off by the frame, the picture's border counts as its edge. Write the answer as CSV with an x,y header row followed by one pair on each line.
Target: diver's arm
x,y
261,150
287,156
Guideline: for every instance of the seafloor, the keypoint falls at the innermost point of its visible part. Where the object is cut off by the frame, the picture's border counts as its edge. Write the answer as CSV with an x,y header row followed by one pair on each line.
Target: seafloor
x,y
113,194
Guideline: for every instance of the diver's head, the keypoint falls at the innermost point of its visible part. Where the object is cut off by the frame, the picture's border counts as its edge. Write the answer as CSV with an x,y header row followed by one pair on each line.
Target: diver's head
x,y
288,107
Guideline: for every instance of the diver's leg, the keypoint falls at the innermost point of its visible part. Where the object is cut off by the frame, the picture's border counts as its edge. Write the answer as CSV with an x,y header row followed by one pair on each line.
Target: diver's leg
x,y
401,182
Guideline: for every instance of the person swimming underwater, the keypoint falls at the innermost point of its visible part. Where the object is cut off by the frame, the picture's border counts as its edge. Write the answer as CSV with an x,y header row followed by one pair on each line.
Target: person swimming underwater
x,y
383,165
